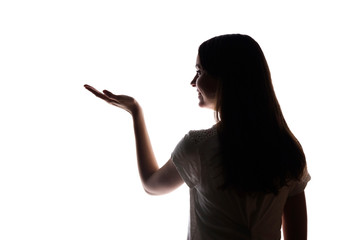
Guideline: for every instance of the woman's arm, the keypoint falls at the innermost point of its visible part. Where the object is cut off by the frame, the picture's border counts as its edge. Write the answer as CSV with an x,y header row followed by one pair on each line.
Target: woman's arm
x,y
155,180
294,218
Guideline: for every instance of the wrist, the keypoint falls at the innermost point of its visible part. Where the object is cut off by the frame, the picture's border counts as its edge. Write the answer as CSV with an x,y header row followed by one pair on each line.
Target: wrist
x,y
135,109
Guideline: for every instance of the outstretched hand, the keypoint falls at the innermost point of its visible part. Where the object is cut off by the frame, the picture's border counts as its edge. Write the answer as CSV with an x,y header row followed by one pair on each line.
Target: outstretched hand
x,y
122,101
155,180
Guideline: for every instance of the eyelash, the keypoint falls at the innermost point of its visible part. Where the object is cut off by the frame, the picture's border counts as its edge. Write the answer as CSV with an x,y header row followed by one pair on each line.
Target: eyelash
x,y
198,73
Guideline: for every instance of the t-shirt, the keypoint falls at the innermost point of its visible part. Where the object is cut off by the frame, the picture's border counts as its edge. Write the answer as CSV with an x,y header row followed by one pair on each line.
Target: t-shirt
x,y
223,214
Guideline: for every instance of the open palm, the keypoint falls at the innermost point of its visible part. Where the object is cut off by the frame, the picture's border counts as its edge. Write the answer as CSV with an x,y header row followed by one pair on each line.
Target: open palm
x,y
122,101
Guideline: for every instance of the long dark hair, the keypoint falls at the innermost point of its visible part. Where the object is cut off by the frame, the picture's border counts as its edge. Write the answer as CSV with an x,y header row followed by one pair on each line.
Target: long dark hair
x,y
260,153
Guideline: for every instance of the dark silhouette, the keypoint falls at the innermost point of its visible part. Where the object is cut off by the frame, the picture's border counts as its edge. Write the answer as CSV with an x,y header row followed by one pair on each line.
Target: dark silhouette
x,y
253,129
247,173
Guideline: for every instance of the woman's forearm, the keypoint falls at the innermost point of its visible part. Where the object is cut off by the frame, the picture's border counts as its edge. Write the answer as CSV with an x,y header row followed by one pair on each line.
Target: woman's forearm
x,y
146,160
294,218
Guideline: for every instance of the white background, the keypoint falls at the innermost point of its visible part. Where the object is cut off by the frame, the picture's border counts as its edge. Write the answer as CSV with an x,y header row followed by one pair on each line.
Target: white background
x,y
67,160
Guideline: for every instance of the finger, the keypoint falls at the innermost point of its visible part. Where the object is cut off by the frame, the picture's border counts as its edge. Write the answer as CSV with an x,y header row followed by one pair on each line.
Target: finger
x,y
90,88
97,93
107,92
110,95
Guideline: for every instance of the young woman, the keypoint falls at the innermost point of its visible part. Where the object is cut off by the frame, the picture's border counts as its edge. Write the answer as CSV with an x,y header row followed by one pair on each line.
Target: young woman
x,y
247,173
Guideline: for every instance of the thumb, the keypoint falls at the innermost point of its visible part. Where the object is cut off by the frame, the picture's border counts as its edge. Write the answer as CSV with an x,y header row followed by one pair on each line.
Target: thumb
x,y
108,93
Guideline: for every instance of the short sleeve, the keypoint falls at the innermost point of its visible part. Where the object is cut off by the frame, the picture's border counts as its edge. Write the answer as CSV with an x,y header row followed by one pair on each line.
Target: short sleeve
x,y
186,160
300,186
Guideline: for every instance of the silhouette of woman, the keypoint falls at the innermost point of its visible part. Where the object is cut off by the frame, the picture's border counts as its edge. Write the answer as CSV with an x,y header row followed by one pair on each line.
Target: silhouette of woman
x,y
247,173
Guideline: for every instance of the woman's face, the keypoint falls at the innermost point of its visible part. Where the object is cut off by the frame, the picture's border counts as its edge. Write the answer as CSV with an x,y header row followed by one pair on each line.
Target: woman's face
x,y
206,86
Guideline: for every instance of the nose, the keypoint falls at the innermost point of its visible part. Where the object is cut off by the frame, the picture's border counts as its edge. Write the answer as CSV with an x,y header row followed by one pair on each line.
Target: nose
x,y
193,82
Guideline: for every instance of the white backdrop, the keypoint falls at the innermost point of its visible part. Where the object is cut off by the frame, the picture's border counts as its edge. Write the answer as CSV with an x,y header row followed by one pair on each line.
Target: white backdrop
x,y
67,160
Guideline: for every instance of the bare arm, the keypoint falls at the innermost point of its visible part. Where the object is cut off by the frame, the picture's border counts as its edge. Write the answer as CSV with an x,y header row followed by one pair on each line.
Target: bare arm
x,y
155,180
295,218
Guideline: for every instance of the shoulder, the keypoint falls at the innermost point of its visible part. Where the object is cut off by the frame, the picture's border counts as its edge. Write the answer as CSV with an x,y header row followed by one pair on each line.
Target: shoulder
x,y
297,187
199,136
186,155
190,143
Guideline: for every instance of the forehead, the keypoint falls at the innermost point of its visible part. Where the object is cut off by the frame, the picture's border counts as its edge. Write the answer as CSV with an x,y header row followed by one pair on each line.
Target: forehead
x,y
198,64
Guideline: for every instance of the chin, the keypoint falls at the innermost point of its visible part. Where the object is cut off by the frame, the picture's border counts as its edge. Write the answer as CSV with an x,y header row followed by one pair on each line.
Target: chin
x,y
207,106
202,104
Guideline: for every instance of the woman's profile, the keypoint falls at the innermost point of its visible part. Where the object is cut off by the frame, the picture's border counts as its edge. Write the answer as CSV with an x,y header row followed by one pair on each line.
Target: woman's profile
x,y
247,173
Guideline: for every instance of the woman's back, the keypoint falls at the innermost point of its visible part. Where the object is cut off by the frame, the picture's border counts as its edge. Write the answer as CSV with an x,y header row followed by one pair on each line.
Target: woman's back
x,y
224,214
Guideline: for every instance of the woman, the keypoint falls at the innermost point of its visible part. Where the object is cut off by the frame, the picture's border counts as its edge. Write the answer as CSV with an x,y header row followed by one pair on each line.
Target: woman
x,y
246,174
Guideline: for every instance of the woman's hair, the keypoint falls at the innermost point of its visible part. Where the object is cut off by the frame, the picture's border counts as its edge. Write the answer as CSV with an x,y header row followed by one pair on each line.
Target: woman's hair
x,y
260,153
